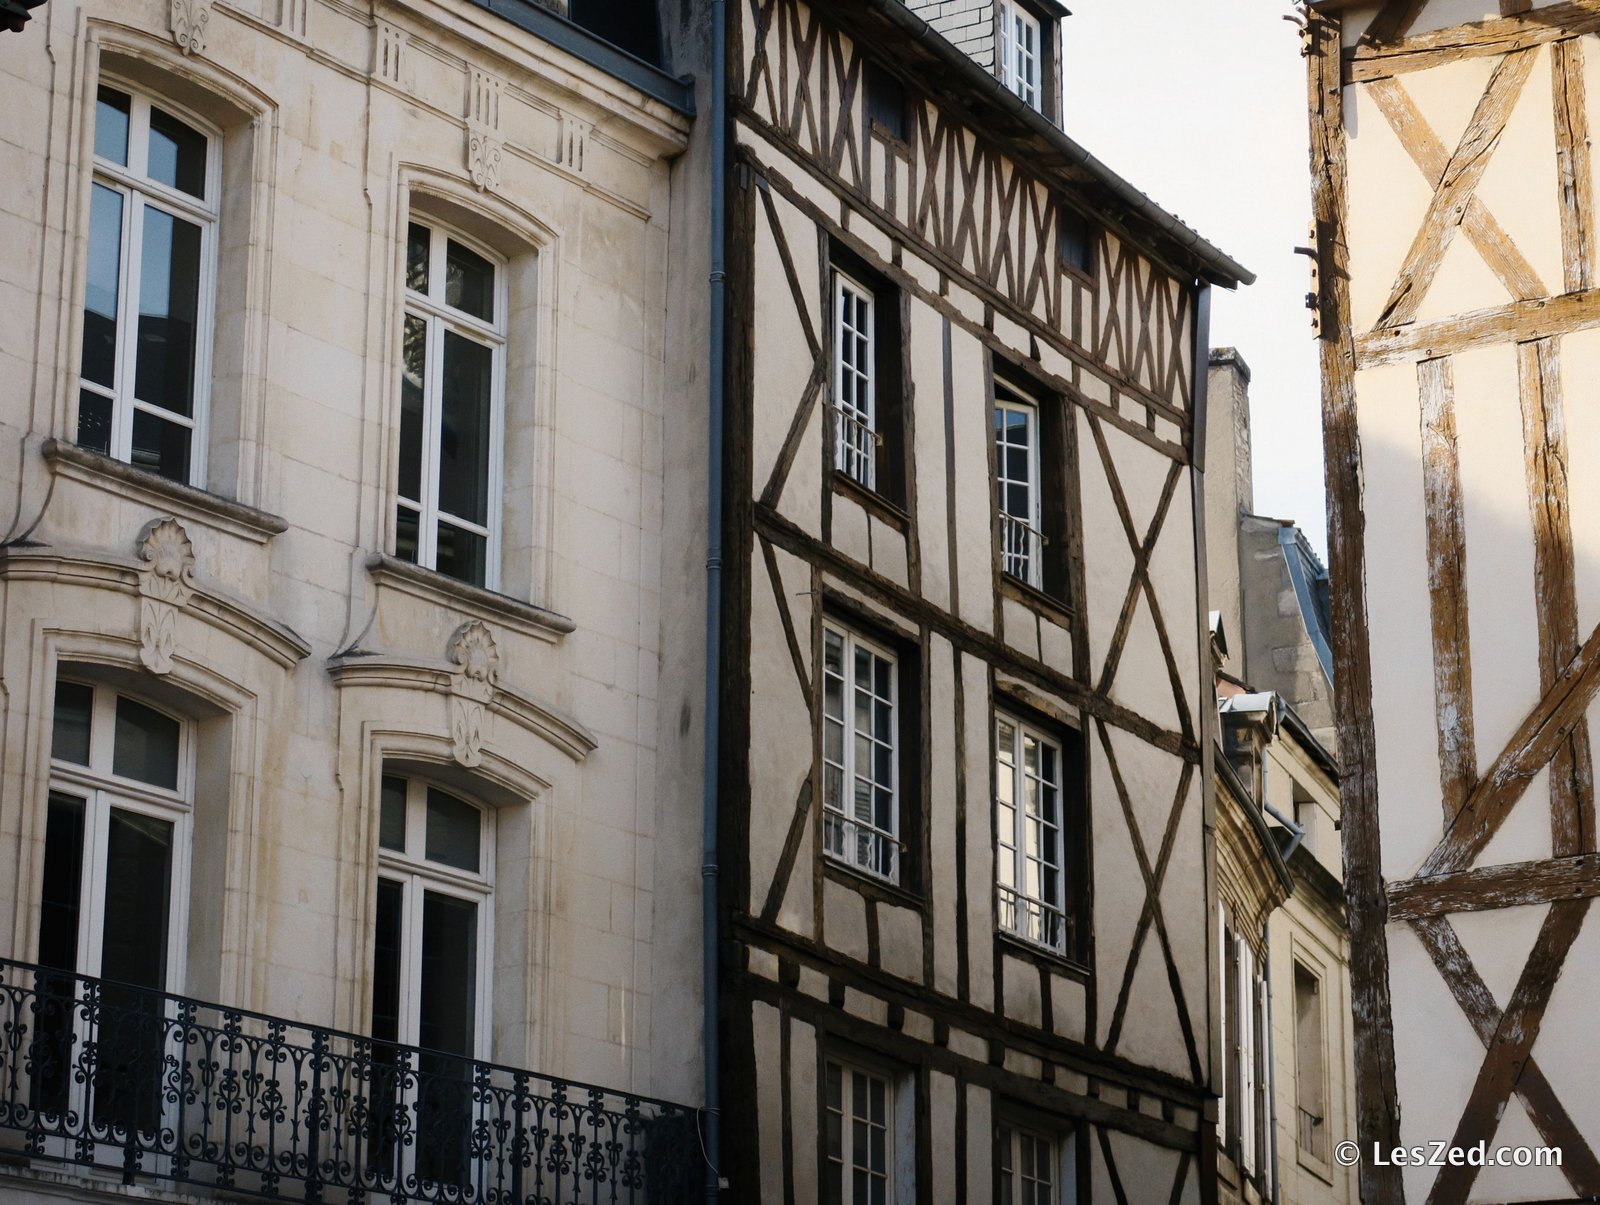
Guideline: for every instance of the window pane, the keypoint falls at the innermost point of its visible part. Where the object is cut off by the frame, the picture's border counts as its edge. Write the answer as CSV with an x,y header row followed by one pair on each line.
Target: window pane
x,y
469,282
392,814
453,831
448,981
62,892
417,241
177,154
386,962
413,373
146,745
464,429
100,292
406,534
463,555
161,446
169,303
70,739
111,126
94,421
138,883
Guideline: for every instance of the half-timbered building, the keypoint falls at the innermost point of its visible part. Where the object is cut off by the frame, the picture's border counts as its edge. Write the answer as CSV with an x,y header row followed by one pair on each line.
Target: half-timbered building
x,y
968,703
1455,224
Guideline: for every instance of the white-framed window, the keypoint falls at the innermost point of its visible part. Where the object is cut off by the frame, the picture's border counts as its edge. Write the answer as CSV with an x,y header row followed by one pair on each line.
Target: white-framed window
x,y
1244,1109
1030,867
432,949
1021,53
859,1139
1033,1167
452,405
860,753
1018,487
114,896
854,381
150,288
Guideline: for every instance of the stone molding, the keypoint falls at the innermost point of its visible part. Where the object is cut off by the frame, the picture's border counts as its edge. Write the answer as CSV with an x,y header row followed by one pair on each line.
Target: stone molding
x,y
437,589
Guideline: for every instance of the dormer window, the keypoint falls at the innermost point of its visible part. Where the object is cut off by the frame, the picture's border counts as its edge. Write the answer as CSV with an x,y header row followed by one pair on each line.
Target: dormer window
x,y
1022,52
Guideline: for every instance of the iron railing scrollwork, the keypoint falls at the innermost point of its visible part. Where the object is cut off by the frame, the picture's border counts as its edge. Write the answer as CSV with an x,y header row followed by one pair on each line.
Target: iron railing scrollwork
x,y
1022,549
161,1087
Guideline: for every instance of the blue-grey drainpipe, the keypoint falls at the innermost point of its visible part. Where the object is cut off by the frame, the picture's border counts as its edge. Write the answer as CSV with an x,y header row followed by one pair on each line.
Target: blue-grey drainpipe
x,y
710,941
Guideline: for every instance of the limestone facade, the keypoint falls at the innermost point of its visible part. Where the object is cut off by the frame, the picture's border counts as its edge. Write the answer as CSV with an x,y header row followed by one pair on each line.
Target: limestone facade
x,y
263,600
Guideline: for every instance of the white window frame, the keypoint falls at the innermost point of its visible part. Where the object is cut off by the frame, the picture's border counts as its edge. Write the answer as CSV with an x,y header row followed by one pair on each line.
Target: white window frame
x,y
848,1117
856,434
861,841
100,789
417,876
1031,911
439,317
1022,537
139,192
1022,67
1060,1159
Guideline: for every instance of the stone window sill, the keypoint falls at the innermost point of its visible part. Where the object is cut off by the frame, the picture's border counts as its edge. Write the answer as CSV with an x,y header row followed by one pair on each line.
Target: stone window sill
x,y
487,605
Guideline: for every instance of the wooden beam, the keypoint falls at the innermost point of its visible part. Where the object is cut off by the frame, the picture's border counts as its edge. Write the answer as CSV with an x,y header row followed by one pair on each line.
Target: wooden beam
x,y
1478,224
1554,579
1486,887
1545,1110
1457,184
1447,586
1377,1104
1515,322
1513,1040
1530,750
1393,21
1497,35
1574,169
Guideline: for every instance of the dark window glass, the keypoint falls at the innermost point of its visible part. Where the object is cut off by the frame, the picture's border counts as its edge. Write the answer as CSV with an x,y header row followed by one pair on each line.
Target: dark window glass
x,y
453,831
462,554
631,25
160,446
405,534
417,240
464,429
392,814
169,304
413,373
94,421
146,745
1077,240
100,291
61,898
177,154
886,101
448,986
386,962
62,895
131,1037
111,126
70,739
469,282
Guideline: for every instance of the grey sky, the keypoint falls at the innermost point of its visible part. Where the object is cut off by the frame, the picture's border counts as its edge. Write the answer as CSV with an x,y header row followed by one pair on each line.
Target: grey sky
x,y
1202,105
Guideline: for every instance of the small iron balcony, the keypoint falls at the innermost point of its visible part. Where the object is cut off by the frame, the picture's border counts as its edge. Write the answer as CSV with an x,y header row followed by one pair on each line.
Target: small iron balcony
x,y
163,1088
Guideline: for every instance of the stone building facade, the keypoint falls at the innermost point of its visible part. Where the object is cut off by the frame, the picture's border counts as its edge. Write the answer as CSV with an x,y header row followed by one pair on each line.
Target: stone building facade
x,y
351,670
1289,1085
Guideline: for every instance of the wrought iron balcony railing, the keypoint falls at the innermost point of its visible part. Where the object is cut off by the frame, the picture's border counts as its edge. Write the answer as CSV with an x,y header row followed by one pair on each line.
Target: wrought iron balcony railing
x,y
159,1087
1022,549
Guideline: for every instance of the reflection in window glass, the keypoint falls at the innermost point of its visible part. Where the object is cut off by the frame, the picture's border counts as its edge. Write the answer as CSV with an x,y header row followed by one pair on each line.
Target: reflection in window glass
x,y
453,828
111,126
146,745
70,737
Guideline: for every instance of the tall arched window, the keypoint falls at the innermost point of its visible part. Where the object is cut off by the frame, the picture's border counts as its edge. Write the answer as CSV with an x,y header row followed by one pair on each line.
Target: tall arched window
x,y
150,288
114,901
452,403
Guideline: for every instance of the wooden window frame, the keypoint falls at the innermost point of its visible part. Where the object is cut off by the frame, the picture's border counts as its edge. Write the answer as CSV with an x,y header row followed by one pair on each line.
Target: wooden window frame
x,y
1055,495
852,641
884,482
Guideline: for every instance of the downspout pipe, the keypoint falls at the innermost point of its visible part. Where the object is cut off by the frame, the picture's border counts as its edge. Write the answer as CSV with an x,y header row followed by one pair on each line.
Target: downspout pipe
x,y
710,941
1296,833
1272,1066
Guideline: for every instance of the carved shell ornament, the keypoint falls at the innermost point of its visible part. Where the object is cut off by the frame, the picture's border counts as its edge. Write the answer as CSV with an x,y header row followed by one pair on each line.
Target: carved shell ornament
x,y
166,582
473,648
168,554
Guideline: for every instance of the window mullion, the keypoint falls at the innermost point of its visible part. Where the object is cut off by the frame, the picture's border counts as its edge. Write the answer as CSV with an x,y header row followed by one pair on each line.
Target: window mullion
x,y
120,441
91,922
432,423
410,959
